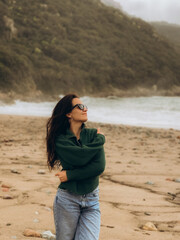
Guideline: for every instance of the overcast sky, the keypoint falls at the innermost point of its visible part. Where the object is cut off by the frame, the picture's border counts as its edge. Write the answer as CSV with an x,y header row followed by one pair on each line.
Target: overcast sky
x,y
153,10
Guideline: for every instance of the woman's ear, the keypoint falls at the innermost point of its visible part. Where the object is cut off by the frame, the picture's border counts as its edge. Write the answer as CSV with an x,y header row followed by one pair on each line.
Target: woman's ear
x,y
68,115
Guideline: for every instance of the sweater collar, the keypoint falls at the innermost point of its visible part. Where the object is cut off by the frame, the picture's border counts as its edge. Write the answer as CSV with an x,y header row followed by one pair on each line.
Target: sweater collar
x,y
70,134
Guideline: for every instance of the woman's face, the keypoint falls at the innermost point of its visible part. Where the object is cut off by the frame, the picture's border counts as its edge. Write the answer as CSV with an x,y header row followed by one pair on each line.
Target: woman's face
x,y
77,114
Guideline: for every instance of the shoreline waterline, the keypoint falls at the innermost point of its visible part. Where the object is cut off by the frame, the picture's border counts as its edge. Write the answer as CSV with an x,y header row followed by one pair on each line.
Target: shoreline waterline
x,y
151,112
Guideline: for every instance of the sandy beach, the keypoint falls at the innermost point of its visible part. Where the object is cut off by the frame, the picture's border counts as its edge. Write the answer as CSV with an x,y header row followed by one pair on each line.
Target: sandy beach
x,y
141,182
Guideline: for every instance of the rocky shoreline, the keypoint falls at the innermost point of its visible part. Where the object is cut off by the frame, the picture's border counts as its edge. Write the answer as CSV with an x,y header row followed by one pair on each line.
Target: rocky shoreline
x,y
38,96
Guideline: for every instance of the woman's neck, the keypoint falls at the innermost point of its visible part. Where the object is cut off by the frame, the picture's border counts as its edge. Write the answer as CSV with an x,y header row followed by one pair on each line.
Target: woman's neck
x,y
76,129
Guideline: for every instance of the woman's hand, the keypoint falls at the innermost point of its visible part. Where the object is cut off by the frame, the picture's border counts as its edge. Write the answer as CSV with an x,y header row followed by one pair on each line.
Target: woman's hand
x,y
99,132
62,176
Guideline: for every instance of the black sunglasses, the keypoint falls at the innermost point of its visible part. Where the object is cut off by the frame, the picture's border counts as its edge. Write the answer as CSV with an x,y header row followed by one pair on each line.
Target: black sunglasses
x,y
80,106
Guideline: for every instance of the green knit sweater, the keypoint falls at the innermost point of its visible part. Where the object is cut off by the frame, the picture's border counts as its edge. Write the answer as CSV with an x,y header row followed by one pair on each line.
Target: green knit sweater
x,y
83,160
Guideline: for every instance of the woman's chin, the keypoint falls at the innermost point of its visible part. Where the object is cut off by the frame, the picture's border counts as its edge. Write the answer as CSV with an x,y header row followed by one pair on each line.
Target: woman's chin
x,y
85,119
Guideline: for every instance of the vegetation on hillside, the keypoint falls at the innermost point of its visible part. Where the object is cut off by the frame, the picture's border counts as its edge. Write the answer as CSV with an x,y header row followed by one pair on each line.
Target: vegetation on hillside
x,y
57,46
170,31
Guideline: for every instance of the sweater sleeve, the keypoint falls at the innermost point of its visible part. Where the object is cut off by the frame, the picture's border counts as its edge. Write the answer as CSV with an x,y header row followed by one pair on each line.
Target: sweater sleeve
x,y
92,169
78,156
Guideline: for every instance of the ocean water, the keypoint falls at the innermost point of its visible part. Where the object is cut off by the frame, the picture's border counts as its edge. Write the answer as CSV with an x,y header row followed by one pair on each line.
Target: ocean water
x,y
158,112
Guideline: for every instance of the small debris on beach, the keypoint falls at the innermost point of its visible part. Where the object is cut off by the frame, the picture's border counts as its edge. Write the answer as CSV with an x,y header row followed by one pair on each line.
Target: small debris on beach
x,y
173,179
48,192
48,235
172,194
8,140
177,180
35,220
13,237
41,171
149,226
31,233
146,213
15,171
48,209
7,197
169,179
149,183
107,226
5,189
29,166
5,186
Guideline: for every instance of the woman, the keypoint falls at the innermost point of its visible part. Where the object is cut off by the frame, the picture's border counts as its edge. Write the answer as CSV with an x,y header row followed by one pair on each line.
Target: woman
x,y
80,152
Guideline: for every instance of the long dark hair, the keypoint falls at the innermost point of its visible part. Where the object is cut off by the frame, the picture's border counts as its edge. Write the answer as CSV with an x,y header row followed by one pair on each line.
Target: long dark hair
x,y
57,124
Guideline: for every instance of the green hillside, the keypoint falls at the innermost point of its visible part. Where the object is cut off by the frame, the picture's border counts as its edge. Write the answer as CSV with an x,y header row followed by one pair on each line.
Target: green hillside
x,y
56,46
170,31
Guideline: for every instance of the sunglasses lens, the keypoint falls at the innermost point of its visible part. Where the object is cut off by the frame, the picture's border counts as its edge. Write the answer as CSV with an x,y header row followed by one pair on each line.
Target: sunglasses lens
x,y
82,106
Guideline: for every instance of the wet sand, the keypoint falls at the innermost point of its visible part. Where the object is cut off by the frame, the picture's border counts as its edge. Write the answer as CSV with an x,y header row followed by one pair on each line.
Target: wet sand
x,y
140,183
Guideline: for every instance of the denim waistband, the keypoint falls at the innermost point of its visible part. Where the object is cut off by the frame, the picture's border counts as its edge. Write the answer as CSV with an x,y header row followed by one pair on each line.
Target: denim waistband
x,y
96,190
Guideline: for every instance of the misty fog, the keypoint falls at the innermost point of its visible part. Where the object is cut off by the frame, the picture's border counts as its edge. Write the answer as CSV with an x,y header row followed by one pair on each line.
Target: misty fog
x,y
153,10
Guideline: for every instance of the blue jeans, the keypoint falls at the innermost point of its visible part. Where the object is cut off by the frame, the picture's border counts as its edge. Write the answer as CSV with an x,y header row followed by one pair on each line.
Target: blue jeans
x,y
77,217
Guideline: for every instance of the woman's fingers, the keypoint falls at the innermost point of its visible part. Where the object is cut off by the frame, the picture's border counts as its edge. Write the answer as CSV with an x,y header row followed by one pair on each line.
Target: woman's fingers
x,y
62,176
99,132
57,174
